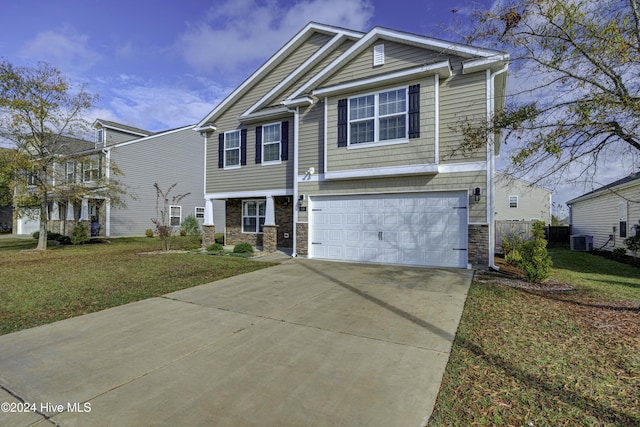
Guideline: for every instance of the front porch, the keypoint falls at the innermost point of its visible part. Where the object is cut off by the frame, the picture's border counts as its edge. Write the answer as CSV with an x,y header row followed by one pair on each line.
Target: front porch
x,y
263,222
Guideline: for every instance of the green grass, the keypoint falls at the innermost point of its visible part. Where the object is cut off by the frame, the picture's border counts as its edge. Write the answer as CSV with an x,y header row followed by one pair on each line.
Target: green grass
x,y
525,359
42,287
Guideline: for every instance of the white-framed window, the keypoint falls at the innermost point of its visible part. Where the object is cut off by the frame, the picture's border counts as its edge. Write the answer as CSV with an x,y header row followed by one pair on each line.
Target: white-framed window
x,y
271,137
377,117
232,149
91,169
175,215
70,172
513,201
199,213
253,213
99,137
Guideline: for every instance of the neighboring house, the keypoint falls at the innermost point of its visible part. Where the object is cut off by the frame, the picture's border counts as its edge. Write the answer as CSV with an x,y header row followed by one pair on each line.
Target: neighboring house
x,y
145,158
610,214
345,146
519,200
142,158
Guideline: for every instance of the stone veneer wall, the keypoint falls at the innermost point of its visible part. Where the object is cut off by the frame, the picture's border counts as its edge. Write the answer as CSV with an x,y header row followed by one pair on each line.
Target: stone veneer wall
x,y
284,220
479,245
208,235
302,230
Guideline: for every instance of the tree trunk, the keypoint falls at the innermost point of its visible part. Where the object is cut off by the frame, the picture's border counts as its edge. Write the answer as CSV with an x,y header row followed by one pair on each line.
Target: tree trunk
x,y
42,239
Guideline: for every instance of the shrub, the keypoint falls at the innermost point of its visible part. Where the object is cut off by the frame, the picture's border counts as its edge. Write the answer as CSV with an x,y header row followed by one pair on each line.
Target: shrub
x,y
619,252
531,256
50,235
215,247
80,234
148,232
513,257
633,244
190,226
243,248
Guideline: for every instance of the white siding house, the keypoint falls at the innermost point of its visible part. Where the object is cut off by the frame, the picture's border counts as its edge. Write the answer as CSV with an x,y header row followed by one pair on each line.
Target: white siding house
x,y
610,214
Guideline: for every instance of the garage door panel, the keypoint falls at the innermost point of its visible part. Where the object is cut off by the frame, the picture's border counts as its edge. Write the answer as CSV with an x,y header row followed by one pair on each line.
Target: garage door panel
x,y
409,228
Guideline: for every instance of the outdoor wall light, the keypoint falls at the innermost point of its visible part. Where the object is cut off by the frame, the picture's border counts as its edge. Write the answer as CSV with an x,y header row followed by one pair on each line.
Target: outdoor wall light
x,y
301,197
311,171
476,194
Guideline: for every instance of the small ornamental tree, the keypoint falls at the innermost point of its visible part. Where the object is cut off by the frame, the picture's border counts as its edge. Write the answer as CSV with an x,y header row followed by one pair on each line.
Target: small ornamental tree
x,y
162,221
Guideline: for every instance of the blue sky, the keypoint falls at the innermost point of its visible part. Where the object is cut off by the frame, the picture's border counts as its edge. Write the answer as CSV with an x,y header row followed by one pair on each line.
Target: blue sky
x,y
163,64
158,65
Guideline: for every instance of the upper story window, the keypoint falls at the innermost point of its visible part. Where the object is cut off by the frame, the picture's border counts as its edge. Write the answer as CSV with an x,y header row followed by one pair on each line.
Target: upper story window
x,y
91,169
513,201
70,172
378,117
100,137
390,116
232,149
199,213
271,137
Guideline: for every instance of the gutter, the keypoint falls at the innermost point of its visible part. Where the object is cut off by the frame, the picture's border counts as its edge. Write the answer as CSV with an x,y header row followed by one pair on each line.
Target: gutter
x,y
296,118
491,208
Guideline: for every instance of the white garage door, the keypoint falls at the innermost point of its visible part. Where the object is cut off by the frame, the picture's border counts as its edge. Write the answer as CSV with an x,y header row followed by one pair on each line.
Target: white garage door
x,y
29,222
408,228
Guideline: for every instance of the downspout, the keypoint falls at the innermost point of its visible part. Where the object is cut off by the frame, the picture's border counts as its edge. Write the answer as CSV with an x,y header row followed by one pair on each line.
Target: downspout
x,y
491,209
107,208
296,118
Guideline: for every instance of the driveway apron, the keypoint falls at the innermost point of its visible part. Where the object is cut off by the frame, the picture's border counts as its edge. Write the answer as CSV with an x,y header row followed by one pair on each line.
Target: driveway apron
x,y
304,343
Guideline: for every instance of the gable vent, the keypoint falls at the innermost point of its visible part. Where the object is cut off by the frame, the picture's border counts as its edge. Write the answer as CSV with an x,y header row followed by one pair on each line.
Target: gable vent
x,y
378,55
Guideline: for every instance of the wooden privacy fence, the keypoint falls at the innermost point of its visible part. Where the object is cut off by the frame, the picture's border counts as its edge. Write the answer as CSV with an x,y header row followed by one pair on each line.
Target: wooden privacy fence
x,y
523,229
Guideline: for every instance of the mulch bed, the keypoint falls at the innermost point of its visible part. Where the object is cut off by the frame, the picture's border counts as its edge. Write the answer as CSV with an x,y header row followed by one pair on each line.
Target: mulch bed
x,y
617,317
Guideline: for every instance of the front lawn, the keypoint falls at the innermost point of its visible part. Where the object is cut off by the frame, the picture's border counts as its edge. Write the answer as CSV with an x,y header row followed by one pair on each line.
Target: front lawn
x,y
66,281
536,358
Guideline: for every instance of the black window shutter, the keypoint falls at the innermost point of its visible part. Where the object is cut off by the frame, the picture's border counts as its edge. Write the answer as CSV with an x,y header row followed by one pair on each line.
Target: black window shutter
x,y
284,141
414,111
243,147
221,150
342,123
258,144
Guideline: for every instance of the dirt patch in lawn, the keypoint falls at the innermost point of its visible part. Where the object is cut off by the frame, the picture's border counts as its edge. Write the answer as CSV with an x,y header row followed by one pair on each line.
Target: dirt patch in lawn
x,y
617,317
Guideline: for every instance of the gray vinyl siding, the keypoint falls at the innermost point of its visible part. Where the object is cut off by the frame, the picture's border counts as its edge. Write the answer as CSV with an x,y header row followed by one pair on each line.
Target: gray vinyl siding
x,y
166,159
416,151
115,137
597,215
304,78
397,57
311,138
252,176
462,97
441,182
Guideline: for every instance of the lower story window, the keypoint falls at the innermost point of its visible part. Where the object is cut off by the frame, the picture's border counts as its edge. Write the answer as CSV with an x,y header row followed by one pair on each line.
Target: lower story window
x,y
253,212
175,214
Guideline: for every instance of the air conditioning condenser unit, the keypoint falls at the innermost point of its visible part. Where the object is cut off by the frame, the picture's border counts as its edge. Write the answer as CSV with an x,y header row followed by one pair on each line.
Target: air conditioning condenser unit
x,y
582,243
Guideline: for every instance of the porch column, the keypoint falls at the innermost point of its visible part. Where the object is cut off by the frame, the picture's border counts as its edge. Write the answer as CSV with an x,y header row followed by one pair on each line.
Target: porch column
x,y
84,210
270,229
70,216
208,212
55,212
208,227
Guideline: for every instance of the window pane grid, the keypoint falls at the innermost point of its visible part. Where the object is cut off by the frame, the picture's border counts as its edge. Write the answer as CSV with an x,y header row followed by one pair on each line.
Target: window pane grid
x,y
232,148
378,117
253,216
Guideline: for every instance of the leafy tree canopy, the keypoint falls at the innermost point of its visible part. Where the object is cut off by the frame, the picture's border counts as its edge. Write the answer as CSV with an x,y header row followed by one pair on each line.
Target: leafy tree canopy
x,y
576,97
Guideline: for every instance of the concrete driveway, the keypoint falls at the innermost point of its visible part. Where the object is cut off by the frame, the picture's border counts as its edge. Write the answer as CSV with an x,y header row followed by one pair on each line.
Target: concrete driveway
x,y
305,343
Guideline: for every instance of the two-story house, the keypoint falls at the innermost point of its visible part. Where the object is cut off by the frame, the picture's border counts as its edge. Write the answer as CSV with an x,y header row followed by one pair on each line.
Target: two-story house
x,y
137,159
345,146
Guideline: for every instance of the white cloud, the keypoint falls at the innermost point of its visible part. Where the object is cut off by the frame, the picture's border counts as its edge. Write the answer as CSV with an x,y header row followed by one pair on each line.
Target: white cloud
x,y
158,106
241,32
63,49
